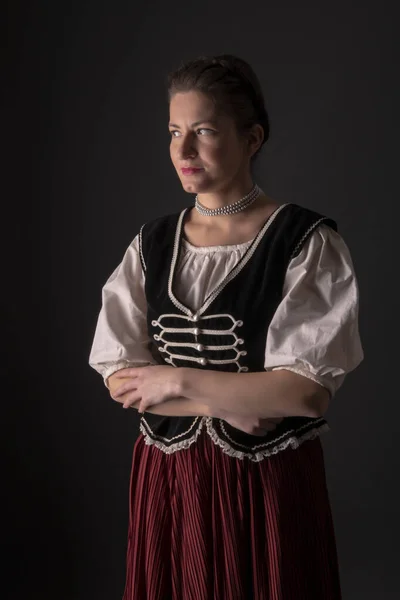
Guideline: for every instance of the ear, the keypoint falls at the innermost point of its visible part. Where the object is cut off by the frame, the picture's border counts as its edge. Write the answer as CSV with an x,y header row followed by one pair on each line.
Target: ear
x,y
255,138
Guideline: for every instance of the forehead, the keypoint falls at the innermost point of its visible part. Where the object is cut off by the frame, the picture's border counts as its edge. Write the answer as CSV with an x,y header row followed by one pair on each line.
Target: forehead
x,y
193,106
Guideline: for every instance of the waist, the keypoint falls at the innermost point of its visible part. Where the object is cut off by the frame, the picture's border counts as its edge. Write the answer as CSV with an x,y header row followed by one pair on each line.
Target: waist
x,y
171,434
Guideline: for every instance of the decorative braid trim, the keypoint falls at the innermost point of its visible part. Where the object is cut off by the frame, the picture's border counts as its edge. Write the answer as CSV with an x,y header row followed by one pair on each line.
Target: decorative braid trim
x,y
141,249
292,441
305,236
149,441
231,275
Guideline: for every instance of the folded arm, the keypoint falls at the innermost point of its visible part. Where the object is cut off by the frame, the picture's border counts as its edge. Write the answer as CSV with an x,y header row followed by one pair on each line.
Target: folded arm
x,y
175,407
264,395
185,407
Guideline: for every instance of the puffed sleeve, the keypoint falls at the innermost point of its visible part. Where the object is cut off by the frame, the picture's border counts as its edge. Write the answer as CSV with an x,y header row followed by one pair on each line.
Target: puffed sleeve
x,y
314,331
121,339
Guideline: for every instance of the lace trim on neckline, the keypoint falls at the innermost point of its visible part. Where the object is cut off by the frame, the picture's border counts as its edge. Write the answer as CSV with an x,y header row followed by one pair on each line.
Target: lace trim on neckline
x,y
211,249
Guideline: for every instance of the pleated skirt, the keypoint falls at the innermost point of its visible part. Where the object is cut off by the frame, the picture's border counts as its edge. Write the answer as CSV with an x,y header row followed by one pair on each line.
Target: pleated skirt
x,y
204,525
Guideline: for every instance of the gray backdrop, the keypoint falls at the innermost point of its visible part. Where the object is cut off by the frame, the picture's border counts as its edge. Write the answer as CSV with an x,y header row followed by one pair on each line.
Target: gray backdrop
x,y
87,163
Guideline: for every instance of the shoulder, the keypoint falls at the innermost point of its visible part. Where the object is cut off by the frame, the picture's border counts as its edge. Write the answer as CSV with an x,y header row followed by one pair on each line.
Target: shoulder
x,y
157,237
325,250
161,223
299,224
302,214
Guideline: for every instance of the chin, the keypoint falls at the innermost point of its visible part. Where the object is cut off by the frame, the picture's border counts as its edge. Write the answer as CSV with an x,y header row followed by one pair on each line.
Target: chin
x,y
190,188
195,187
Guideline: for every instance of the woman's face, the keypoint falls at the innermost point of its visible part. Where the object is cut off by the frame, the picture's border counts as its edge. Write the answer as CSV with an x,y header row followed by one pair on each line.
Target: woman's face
x,y
206,140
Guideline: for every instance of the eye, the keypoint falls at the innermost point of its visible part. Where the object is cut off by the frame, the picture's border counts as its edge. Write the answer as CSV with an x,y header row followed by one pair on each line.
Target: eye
x,y
203,129
176,133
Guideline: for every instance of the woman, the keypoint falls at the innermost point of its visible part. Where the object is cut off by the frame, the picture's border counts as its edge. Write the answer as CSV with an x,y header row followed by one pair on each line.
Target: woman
x,y
229,326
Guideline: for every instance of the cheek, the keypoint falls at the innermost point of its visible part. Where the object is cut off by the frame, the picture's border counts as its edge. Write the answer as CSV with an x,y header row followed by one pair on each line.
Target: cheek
x,y
222,157
172,153
215,153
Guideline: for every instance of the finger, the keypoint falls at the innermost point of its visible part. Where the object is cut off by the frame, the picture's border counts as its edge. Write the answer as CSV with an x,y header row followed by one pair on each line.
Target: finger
x,y
124,398
128,403
144,405
135,405
129,399
128,372
128,386
120,400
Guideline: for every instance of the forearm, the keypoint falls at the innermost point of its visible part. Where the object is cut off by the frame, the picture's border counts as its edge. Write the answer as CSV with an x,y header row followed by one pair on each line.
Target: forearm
x,y
270,394
177,407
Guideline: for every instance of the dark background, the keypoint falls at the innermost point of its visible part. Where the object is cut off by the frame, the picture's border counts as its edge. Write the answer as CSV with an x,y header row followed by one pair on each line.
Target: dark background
x,y
87,162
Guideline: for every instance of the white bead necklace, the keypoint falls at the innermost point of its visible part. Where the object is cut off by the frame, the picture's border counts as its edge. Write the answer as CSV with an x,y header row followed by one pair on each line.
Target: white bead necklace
x,y
230,209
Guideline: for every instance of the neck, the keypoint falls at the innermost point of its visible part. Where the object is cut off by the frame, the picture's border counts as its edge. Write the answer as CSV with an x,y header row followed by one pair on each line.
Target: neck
x,y
226,196
231,209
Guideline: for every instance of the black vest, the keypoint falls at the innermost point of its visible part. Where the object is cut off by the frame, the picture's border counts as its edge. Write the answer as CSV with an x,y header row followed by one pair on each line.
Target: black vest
x,y
229,331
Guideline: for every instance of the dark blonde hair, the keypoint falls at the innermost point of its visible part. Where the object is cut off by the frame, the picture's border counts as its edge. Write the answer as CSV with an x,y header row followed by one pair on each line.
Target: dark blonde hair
x,y
232,85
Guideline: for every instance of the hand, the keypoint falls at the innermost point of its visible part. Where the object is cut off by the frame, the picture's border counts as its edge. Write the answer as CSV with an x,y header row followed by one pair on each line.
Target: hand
x,y
253,425
147,386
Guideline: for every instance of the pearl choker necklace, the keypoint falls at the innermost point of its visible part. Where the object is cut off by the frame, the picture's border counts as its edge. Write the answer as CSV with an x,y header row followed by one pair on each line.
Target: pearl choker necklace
x,y
230,209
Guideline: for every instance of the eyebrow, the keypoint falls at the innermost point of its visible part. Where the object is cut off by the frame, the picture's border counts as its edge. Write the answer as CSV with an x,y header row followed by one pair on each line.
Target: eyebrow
x,y
212,121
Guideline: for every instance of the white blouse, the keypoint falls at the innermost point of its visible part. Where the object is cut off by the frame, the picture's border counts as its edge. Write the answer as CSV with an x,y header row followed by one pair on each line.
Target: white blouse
x,y
314,331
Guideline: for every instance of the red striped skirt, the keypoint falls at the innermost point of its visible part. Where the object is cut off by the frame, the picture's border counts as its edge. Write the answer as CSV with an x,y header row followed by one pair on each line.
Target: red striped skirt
x,y
204,525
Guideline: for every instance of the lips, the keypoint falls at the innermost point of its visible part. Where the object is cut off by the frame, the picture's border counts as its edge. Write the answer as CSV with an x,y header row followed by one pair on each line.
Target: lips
x,y
190,171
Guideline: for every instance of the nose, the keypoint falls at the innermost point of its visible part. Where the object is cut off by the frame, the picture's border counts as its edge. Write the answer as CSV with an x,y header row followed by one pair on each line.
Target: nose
x,y
186,146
